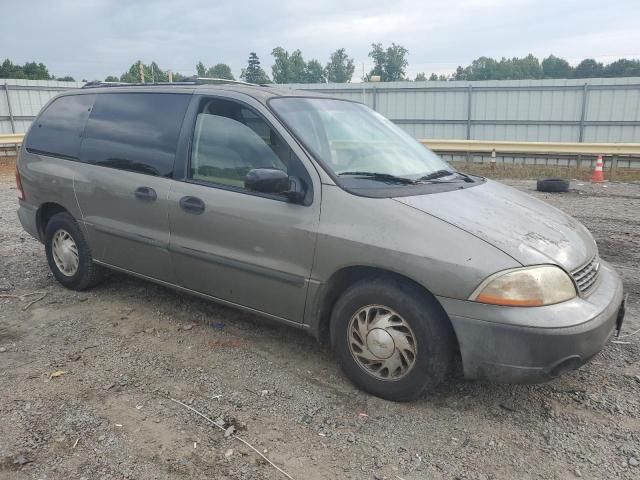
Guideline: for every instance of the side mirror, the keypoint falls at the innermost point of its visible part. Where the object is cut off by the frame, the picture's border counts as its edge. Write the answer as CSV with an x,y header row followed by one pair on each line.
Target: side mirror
x,y
272,180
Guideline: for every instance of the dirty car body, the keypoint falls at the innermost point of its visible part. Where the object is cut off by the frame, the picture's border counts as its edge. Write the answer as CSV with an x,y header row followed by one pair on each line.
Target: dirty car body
x,y
510,283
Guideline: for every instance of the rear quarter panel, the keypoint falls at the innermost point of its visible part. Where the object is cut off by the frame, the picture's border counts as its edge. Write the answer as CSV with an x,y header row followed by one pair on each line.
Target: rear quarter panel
x,y
48,180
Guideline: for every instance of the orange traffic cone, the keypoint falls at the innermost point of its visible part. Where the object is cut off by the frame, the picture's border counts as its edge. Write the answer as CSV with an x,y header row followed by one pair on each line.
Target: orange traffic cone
x,y
598,175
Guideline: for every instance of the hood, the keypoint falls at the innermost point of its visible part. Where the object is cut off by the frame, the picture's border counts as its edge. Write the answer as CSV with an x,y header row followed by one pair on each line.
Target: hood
x,y
529,230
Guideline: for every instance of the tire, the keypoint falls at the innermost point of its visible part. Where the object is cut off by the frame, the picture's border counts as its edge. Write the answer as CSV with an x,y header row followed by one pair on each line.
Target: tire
x,y
434,339
86,274
553,185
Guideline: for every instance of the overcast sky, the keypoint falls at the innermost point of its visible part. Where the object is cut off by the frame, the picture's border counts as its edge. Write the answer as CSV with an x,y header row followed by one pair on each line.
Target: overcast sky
x,y
95,38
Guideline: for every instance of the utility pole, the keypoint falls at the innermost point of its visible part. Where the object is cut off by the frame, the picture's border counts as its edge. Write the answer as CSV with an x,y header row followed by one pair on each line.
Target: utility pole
x,y
141,68
170,73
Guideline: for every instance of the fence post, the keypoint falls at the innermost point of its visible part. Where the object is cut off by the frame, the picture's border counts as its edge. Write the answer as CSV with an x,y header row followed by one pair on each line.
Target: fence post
x,y
583,114
375,97
469,92
614,166
11,119
583,111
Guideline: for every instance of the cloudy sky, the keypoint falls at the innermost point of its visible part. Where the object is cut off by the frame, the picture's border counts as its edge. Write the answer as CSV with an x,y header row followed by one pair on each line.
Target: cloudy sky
x,y
95,38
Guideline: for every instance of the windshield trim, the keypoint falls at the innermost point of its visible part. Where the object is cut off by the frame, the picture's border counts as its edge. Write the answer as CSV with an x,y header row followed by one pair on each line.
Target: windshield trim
x,y
405,190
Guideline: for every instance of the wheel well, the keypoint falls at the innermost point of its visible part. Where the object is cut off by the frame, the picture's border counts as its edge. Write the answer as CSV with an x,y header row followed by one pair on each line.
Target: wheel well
x,y
342,279
44,214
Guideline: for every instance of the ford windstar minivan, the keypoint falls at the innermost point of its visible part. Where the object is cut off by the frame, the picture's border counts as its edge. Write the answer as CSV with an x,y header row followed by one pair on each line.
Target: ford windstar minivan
x,y
322,214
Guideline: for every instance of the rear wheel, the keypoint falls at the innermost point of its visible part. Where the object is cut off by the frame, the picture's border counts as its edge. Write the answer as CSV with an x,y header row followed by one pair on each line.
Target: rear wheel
x,y
69,255
392,339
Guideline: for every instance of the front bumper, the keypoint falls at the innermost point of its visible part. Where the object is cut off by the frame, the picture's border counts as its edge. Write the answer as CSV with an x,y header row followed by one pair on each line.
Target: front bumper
x,y
530,345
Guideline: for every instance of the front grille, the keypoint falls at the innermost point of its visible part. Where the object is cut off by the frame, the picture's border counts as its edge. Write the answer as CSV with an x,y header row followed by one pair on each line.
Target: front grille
x,y
586,276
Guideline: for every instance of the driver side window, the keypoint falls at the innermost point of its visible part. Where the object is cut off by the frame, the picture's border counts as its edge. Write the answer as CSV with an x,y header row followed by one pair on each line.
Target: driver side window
x,y
229,140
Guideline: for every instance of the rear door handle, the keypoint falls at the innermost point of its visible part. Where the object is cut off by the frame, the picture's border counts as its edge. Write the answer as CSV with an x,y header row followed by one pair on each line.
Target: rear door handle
x,y
146,193
192,205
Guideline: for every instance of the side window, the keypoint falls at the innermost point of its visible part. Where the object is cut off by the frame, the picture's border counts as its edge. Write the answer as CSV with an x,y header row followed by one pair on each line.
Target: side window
x,y
58,130
229,140
135,131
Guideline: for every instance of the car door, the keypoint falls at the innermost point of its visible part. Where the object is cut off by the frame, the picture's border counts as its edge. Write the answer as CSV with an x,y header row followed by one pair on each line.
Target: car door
x,y
122,185
249,249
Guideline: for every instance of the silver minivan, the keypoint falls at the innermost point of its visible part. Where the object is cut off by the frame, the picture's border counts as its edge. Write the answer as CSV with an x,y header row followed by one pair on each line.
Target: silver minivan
x,y
321,214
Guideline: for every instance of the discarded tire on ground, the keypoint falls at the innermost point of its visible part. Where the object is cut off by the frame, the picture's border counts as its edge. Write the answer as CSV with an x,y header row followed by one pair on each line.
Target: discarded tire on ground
x,y
553,185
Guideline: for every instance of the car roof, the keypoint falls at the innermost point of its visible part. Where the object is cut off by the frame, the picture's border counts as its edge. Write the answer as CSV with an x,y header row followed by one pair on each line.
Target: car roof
x,y
262,93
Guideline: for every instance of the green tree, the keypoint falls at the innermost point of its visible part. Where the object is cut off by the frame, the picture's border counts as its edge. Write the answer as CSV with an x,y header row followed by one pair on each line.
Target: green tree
x,y
36,71
221,70
254,72
281,69
622,68
292,68
314,73
486,68
340,67
422,77
524,68
68,78
29,71
9,70
178,77
482,68
555,67
588,68
152,73
112,78
433,77
389,64
297,68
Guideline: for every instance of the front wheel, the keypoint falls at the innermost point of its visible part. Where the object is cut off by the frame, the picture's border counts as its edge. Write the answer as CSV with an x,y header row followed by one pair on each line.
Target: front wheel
x,y
392,339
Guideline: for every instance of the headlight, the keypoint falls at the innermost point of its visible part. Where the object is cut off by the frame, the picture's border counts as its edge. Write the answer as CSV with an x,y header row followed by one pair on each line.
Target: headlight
x,y
526,287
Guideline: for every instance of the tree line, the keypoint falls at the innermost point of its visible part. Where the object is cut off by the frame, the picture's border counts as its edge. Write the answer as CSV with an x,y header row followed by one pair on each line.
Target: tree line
x,y
529,67
287,68
29,71
389,65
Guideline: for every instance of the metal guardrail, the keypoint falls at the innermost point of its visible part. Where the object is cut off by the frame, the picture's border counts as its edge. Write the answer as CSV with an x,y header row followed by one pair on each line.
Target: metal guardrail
x,y
9,145
532,148
480,146
11,139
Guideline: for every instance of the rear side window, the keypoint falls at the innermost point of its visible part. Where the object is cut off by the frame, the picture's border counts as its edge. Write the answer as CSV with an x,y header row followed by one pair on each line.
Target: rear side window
x,y
135,131
58,130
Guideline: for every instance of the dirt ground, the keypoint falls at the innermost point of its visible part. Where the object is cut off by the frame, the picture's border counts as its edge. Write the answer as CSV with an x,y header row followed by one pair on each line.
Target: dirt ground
x,y
127,347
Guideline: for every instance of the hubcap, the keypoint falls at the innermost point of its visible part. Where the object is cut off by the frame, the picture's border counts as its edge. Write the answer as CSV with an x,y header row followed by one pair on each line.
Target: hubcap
x,y
382,342
65,253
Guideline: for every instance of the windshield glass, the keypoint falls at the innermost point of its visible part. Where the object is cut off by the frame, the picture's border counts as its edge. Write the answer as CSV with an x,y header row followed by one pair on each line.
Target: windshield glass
x,y
350,138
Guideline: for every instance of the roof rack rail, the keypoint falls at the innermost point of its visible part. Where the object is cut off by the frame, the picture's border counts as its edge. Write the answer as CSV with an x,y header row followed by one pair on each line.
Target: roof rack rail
x,y
224,80
96,84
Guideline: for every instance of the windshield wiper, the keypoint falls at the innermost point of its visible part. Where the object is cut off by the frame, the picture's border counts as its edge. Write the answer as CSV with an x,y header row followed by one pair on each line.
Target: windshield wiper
x,y
467,178
434,176
383,177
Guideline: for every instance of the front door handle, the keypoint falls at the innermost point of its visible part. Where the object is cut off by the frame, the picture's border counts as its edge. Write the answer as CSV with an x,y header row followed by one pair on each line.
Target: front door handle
x,y
192,205
146,193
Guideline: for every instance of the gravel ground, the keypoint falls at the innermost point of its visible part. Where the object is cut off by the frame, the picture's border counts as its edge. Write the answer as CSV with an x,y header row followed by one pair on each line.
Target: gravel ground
x,y
127,347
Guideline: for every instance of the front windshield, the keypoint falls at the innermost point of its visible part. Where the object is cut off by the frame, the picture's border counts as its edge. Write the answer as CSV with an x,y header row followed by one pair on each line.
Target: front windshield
x,y
350,138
